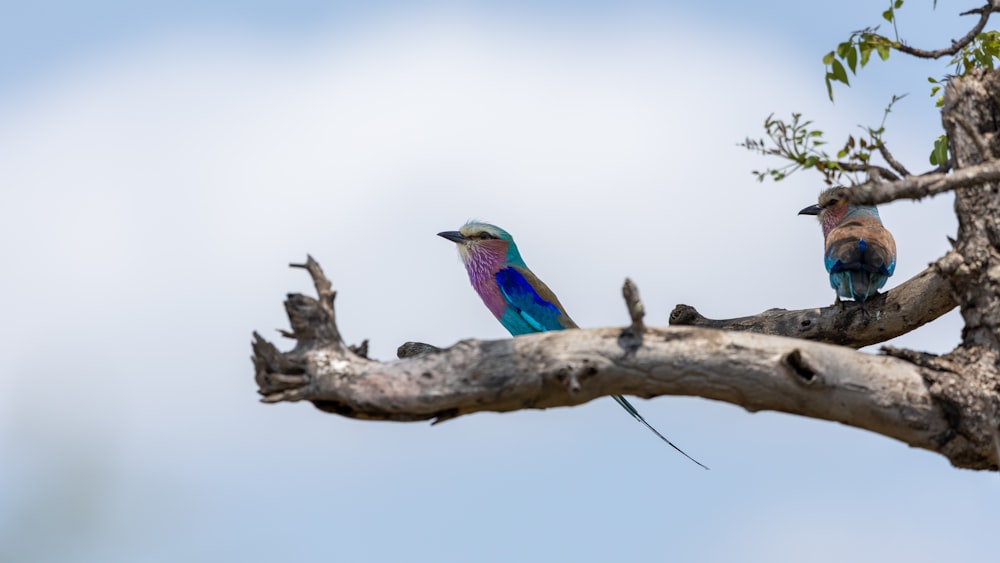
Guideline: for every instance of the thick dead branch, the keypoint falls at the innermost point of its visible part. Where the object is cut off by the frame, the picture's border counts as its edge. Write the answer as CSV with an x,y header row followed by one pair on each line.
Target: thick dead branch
x,y
759,372
918,301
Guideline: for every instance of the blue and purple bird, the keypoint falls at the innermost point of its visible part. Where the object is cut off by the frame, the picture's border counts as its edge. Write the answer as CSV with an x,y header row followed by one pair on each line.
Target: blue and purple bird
x,y
860,254
517,298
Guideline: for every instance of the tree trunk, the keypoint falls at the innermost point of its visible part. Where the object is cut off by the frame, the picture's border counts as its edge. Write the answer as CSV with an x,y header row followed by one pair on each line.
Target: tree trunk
x,y
968,383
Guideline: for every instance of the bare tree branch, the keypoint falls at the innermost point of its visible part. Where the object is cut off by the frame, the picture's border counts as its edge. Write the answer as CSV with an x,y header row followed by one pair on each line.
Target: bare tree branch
x,y
918,301
919,187
956,45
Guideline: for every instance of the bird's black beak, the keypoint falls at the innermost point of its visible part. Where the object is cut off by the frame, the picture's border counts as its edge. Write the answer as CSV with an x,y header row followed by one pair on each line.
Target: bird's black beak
x,y
453,236
811,210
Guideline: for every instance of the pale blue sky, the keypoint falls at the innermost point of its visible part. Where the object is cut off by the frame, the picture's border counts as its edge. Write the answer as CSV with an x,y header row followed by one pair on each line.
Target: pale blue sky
x,y
161,166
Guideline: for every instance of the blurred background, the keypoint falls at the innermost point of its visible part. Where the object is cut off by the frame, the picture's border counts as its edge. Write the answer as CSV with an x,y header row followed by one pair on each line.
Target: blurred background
x,y
161,163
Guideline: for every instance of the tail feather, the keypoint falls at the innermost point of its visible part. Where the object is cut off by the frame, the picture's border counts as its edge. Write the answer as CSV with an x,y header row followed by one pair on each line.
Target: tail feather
x,y
631,410
860,282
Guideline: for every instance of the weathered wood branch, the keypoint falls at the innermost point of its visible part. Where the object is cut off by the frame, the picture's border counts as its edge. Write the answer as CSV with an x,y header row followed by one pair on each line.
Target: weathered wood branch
x,y
916,302
759,372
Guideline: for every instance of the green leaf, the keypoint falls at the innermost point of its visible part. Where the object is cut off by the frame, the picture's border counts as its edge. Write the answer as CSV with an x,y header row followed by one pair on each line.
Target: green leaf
x,y
852,59
866,51
829,86
939,155
898,4
887,15
828,58
883,50
839,73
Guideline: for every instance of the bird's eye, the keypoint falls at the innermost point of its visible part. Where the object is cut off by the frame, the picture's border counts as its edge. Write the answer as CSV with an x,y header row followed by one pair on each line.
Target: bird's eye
x,y
485,236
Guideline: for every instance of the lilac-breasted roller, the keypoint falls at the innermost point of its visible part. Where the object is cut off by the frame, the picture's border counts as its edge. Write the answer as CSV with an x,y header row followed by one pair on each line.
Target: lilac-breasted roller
x,y
860,254
517,298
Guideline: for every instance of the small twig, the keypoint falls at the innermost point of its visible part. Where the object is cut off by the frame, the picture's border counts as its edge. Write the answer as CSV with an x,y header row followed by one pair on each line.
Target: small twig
x,y
636,310
324,289
895,164
871,169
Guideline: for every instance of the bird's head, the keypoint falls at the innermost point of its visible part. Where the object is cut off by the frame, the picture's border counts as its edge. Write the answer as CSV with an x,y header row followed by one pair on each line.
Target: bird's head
x,y
833,206
479,242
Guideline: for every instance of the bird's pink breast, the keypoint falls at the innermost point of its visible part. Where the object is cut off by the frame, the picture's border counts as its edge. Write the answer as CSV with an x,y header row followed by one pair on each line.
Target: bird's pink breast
x,y
482,263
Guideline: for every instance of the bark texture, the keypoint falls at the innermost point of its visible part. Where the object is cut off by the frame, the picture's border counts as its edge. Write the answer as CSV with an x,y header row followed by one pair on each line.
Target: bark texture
x,y
800,362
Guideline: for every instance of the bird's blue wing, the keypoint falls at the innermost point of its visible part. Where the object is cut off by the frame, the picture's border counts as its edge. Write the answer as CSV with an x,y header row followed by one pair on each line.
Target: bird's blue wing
x,y
527,306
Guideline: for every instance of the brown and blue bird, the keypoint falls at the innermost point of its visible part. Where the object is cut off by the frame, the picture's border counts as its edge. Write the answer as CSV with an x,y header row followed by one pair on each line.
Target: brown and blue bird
x,y
859,253
517,298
